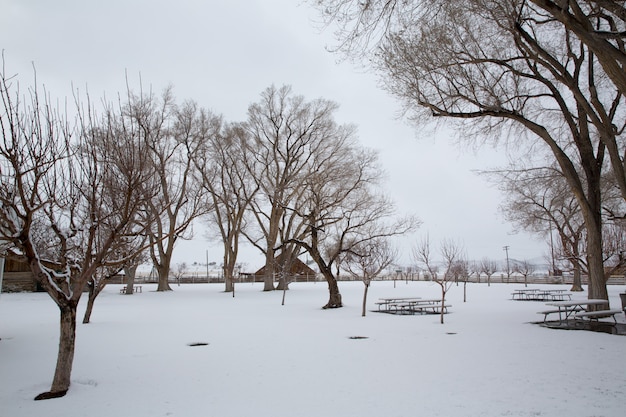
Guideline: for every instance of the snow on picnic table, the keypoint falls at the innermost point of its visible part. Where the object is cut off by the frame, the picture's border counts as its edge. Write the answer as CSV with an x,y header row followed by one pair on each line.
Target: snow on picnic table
x,y
265,359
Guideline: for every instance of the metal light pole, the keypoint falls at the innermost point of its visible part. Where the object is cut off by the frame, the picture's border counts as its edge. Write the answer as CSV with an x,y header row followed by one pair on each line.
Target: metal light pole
x,y
508,269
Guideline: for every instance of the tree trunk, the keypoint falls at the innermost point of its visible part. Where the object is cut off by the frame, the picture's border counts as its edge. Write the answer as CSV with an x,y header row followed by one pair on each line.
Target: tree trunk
x,y
597,280
577,284
283,282
465,291
90,300
163,270
130,272
334,300
268,279
228,279
367,285
595,263
230,260
228,282
284,295
443,301
65,359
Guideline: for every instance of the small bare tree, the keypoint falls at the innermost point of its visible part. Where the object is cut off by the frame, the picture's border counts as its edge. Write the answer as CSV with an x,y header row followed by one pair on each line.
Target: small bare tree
x,y
524,268
488,267
368,260
462,270
451,253
180,271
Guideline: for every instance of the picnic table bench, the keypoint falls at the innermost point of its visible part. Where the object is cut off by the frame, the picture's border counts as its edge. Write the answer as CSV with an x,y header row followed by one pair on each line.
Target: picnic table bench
x,y
596,315
546,313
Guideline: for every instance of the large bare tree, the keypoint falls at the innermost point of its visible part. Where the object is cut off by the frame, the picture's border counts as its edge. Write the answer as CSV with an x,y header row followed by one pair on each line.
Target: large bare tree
x,y
171,133
228,185
65,207
601,26
345,208
540,201
285,132
506,69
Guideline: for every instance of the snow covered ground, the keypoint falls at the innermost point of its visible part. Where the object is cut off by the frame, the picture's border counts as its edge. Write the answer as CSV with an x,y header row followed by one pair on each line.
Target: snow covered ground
x,y
296,360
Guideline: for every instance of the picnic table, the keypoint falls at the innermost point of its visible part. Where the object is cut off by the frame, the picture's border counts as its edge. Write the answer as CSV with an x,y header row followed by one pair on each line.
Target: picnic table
x,y
523,294
536,294
566,309
384,303
412,305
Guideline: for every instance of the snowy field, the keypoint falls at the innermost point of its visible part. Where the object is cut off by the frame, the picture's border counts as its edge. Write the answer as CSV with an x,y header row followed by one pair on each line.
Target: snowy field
x,y
297,360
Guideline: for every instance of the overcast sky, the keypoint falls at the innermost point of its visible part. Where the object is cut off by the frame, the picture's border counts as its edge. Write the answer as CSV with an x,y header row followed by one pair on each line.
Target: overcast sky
x,y
223,54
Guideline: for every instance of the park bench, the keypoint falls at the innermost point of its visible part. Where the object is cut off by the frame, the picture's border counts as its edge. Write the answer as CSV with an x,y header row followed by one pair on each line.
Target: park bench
x,y
596,315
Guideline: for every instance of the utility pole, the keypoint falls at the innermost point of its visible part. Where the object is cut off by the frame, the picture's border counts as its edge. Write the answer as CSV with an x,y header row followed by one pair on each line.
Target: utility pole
x,y
508,269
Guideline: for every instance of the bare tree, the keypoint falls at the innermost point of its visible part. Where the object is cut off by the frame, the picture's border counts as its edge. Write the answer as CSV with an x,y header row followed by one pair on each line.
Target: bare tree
x,y
368,260
525,268
130,270
462,269
172,136
95,285
285,131
540,201
451,253
536,81
179,271
343,209
65,207
220,165
488,267
598,24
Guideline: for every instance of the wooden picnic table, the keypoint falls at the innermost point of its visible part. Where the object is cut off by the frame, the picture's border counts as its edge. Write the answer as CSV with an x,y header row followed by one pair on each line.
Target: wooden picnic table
x,y
565,309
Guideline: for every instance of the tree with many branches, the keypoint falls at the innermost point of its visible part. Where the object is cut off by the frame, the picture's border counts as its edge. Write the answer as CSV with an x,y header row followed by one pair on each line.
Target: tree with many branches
x,y
229,188
172,135
506,69
66,205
